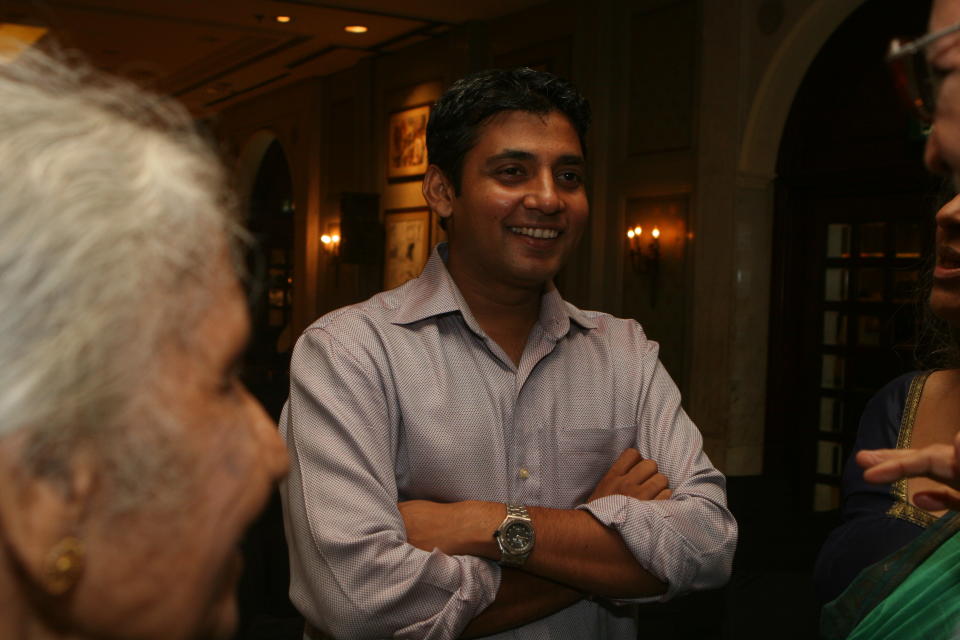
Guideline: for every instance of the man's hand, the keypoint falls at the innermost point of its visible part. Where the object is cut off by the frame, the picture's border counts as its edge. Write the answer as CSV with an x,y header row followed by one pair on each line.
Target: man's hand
x,y
940,462
630,475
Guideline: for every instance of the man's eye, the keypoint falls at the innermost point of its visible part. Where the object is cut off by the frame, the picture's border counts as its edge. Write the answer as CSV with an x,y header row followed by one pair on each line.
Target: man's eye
x,y
570,177
511,172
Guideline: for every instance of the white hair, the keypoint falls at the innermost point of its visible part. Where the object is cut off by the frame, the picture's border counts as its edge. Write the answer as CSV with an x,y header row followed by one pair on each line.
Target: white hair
x,y
113,216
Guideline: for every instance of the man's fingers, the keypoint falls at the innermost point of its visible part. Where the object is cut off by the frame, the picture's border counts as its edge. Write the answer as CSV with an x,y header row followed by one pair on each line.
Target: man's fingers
x,y
641,472
649,489
627,460
666,494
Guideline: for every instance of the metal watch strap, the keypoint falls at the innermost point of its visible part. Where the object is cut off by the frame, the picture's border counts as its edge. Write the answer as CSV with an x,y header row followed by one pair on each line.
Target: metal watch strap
x,y
514,512
518,511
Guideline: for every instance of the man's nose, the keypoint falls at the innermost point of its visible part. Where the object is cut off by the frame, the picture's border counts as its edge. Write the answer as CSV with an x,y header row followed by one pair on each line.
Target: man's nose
x,y
544,195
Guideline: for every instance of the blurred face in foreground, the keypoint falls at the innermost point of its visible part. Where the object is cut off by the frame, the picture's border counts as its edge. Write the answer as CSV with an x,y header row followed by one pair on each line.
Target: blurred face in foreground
x,y
169,570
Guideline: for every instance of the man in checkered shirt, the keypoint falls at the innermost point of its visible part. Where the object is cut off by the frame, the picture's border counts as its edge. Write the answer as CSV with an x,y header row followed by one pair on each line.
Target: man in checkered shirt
x,y
474,456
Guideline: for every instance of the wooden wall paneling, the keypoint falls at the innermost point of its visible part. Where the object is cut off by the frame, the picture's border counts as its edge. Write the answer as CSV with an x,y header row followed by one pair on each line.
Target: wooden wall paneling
x,y
662,78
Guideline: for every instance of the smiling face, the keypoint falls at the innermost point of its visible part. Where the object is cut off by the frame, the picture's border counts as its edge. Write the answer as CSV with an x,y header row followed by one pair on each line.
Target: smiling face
x,y
942,155
522,205
169,570
945,294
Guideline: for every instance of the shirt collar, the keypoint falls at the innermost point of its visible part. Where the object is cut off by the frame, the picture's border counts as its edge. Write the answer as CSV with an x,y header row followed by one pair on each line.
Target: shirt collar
x,y
434,293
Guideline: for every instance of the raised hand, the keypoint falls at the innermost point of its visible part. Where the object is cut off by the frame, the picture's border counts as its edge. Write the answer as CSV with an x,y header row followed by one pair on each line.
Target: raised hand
x,y
938,462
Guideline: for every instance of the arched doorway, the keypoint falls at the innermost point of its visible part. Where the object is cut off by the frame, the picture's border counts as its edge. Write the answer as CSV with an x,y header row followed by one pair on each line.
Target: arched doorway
x,y
853,206
265,177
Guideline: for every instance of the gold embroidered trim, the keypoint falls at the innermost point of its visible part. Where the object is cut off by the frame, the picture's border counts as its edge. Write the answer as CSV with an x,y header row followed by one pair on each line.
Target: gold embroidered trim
x,y
901,508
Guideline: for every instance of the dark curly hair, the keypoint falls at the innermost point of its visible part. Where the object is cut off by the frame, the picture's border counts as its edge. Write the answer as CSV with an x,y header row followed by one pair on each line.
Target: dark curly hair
x,y
457,116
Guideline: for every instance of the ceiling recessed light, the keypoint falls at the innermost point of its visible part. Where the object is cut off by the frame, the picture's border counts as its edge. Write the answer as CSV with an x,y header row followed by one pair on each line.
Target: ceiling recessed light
x,y
355,28
284,18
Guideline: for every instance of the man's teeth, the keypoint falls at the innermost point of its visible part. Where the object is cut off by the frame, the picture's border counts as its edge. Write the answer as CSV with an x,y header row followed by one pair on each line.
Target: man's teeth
x,y
536,233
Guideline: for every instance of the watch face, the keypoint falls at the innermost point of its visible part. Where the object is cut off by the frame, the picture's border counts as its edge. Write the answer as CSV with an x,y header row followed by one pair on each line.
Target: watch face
x,y
518,536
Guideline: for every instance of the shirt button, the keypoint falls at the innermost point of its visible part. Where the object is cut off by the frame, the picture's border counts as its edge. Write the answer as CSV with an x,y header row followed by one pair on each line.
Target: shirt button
x,y
523,473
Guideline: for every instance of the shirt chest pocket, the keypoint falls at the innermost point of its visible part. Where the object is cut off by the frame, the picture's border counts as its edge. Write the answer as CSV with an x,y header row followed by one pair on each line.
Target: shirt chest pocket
x,y
584,455
448,462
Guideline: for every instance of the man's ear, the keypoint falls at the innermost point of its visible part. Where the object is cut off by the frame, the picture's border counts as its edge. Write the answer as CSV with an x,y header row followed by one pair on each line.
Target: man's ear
x,y
42,518
438,191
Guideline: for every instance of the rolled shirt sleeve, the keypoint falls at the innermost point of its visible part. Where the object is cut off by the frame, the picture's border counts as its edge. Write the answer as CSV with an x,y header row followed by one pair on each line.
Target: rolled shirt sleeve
x,y
689,540
405,397
353,575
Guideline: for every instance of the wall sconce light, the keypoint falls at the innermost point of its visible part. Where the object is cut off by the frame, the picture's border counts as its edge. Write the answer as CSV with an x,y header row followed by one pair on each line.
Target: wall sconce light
x,y
645,259
331,243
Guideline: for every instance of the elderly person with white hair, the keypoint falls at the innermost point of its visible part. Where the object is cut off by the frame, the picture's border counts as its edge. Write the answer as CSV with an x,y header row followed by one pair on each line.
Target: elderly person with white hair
x,y
132,458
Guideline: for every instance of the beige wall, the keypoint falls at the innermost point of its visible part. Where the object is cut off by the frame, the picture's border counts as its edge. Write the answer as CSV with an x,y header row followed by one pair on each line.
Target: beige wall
x,y
689,99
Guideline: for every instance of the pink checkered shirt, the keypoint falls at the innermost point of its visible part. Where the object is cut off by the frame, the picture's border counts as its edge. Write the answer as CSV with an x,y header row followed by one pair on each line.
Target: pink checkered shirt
x,y
404,396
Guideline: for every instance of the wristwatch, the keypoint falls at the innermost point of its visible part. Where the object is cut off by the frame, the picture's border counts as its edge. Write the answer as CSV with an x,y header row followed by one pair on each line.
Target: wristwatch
x,y
515,536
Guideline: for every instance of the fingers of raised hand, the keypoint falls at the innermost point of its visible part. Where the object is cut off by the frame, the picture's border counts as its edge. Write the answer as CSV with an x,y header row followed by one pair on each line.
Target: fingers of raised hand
x,y
937,461
938,499
666,494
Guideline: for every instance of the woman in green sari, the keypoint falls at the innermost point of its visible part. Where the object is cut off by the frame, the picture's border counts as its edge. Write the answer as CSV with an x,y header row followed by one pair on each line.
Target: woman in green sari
x,y
915,592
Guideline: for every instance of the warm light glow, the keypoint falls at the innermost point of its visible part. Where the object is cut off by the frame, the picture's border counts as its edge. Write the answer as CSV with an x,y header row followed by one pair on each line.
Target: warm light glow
x,y
331,241
284,19
655,232
355,28
637,230
14,38
631,234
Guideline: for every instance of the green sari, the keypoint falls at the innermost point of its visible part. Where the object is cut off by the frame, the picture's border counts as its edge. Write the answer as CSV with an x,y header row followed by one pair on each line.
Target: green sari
x,y
912,593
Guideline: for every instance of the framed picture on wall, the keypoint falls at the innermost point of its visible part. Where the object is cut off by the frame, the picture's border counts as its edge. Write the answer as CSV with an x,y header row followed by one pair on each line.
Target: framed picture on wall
x,y
407,144
407,245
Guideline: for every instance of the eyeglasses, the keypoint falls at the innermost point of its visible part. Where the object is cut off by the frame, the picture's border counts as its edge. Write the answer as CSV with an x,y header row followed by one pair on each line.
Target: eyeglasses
x,y
916,80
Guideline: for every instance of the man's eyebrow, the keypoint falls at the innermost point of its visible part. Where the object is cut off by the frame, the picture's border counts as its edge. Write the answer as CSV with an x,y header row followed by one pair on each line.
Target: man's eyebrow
x,y
511,154
517,154
571,159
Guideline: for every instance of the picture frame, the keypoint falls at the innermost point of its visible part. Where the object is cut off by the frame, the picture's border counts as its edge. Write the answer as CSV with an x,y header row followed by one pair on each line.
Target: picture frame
x,y
407,245
407,143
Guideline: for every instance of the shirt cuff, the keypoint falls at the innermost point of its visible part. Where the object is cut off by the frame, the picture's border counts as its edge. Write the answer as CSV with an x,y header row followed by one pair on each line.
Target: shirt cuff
x,y
657,547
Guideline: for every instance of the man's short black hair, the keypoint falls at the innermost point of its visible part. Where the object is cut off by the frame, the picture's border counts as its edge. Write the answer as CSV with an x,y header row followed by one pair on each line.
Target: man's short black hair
x,y
466,106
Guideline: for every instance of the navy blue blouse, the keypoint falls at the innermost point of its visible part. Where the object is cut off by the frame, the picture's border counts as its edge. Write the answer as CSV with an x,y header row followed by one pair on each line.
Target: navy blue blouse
x,y
875,519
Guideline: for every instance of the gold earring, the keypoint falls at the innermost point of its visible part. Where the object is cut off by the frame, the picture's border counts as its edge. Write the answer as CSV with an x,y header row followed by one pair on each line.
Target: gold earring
x,y
64,565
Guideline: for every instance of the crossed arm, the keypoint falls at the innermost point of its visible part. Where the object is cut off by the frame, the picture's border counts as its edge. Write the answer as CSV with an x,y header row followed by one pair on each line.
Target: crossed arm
x,y
940,462
363,565
574,555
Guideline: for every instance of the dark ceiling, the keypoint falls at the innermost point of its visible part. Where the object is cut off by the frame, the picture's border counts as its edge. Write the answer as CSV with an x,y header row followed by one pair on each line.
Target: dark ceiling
x,y
212,53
